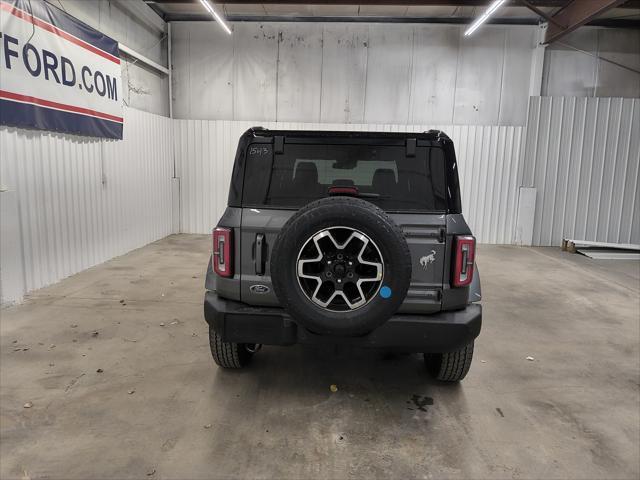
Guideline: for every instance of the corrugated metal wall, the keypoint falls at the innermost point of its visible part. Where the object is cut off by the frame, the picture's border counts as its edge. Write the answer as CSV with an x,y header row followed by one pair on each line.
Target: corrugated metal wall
x,y
488,159
583,156
80,201
72,202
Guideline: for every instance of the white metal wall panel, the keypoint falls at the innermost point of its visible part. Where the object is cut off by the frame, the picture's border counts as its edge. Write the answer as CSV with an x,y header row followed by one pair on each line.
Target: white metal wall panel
x,y
622,46
583,156
568,72
435,63
181,74
518,75
344,70
488,161
299,72
81,201
211,91
256,64
389,69
352,73
480,66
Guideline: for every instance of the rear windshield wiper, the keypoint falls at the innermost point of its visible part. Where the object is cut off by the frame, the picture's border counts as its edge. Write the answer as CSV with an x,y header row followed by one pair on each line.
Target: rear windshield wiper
x,y
369,195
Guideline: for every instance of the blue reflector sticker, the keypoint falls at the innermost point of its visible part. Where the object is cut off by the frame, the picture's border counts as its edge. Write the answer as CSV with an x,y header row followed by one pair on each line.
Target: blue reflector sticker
x,y
385,292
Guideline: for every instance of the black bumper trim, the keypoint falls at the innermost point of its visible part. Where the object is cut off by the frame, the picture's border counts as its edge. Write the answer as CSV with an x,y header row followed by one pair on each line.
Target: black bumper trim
x,y
440,332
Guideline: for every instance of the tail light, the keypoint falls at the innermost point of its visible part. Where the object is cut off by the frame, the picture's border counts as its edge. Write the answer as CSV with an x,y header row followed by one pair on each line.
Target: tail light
x,y
222,251
465,252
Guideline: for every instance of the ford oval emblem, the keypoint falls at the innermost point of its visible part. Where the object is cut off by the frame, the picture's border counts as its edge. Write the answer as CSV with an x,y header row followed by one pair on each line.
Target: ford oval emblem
x,y
259,289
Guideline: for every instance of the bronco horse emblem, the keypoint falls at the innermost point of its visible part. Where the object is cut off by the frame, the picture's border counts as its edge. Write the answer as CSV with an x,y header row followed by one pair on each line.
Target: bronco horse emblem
x,y
427,259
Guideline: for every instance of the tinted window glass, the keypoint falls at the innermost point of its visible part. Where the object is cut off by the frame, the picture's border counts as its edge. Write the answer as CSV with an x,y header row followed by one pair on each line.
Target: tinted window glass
x,y
383,175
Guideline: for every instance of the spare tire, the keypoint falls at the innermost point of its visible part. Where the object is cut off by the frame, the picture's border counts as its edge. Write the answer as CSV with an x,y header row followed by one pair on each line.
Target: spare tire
x,y
341,266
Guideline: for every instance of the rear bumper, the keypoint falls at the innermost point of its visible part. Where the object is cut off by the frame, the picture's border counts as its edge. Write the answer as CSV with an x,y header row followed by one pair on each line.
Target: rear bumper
x,y
439,332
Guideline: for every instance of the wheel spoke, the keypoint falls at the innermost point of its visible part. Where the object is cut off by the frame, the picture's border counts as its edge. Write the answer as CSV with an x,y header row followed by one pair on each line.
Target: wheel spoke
x,y
339,293
378,265
302,263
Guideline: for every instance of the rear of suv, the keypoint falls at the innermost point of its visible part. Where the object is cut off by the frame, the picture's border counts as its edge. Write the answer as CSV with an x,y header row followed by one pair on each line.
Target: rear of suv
x,y
344,237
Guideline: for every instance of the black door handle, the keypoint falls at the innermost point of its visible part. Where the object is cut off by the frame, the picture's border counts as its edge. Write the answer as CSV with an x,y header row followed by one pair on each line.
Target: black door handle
x,y
260,254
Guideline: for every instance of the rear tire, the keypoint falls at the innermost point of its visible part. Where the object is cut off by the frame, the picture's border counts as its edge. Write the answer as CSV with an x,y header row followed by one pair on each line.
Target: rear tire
x,y
451,366
228,354
352,214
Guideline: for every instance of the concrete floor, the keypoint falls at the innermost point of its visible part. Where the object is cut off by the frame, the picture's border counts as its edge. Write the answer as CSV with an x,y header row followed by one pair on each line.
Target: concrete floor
x,y
571,413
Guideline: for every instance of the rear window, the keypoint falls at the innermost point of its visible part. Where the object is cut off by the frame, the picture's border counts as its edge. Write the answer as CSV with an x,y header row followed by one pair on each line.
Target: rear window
x,y
383,175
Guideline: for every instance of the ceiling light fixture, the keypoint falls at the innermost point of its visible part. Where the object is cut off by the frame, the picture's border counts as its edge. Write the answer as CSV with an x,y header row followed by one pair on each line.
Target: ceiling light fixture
x,y
483,18
215,14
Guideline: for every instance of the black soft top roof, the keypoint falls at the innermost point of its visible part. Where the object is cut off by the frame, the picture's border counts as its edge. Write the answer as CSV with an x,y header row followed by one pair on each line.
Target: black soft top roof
x,y
431,135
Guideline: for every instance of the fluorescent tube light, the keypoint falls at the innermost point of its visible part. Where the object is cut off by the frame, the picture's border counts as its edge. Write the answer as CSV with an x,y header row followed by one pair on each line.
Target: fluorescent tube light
x,y
483,18
218,18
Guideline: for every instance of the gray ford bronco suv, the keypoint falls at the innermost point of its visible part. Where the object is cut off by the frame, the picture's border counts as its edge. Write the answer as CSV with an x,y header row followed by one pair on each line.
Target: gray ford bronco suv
x,y
344,237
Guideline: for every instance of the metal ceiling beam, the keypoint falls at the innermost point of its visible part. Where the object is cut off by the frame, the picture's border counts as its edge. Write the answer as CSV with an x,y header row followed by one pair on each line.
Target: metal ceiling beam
x,y
540,13
632,24
576,14
352,19
401,3
534,5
